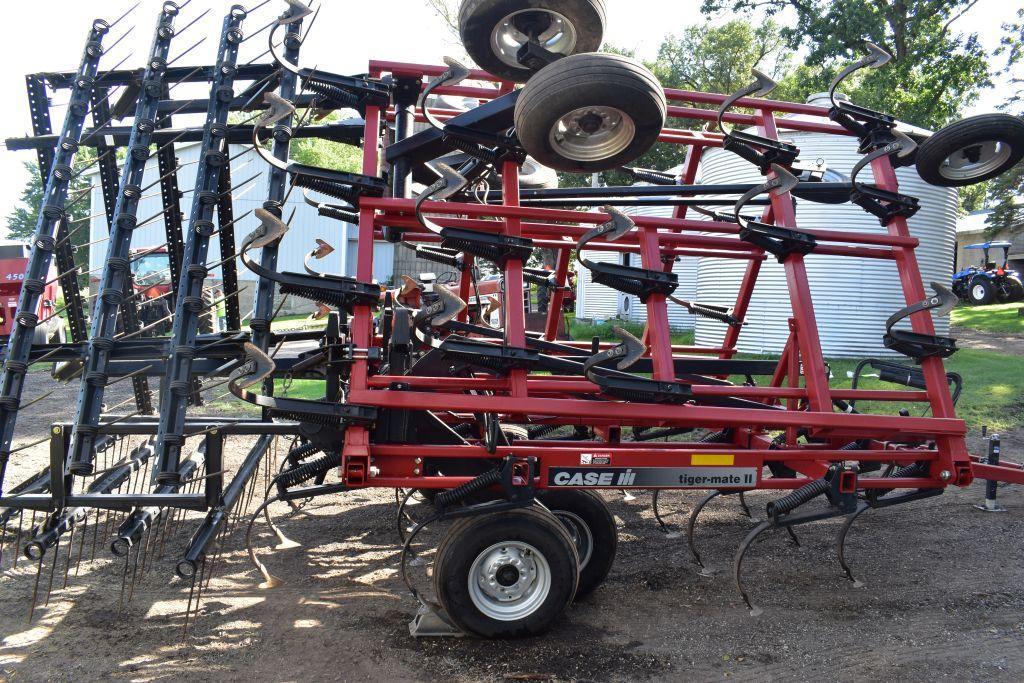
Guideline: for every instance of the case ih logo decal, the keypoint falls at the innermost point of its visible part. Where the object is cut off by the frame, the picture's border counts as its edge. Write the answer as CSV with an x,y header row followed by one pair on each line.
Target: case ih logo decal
x,y
647,477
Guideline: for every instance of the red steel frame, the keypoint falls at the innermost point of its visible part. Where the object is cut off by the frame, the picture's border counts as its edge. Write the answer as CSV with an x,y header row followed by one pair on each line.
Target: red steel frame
x,y
800,382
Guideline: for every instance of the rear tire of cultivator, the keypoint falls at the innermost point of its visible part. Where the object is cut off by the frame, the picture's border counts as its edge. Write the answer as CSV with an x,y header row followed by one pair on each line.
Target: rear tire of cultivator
x,y
493,30
591,527
981,291
971,150
506,574
590,112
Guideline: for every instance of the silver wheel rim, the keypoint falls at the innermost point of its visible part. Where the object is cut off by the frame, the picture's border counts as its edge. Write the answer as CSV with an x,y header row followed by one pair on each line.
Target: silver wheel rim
x,y
978,292
580,534
592,133
506,38
509,581
975,160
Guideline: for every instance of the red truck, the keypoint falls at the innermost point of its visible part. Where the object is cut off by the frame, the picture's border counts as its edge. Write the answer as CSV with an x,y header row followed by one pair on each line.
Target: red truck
x,y
13,261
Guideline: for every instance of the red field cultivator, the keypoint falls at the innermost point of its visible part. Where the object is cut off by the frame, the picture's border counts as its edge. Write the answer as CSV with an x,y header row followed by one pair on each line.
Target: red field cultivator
x,y
504,432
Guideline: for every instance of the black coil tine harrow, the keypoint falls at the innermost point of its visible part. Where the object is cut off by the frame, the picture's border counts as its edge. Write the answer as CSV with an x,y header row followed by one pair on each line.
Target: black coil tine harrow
x,y
177,380
116,279
51,215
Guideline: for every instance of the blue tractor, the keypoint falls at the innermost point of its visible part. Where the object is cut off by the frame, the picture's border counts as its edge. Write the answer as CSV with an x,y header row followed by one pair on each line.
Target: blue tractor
x,y
989,283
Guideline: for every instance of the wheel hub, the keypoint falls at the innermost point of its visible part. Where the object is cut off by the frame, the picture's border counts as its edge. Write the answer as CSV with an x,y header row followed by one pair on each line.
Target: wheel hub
x,y
975,160
592,133
551,30
509,581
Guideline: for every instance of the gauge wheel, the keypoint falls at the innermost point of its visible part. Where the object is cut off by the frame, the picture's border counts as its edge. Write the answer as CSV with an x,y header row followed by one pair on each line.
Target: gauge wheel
x,y
493,31
590,112
592,528
506,574
971,150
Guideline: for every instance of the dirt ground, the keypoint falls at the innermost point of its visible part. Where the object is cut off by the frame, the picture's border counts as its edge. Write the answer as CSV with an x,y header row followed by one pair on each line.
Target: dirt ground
x,y
942,598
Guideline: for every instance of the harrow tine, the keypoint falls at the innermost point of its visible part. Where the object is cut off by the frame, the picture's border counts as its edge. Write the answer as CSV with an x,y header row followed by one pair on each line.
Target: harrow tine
x,y
128,11
691,523
188,49
841,542
53,568
108,49
737,564
178,32
67,561
124,584
188,605
135,572
35,589
95,535
17,540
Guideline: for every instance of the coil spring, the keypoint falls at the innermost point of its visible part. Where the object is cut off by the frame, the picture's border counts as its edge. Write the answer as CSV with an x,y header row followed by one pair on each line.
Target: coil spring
x,y
717,437
306,471
485,480
541,430
471,148
311,418
331,188
652,177
300,453
711,314
790,502
854,446
331,94
622,284
319,295
917,469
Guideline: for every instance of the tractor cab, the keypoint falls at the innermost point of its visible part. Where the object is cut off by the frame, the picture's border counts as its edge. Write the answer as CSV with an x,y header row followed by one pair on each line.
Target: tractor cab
x,y
991,281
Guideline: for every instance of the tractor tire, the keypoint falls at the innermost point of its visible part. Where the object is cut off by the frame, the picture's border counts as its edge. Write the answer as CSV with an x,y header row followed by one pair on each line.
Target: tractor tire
x,y
590,112
981,291
491,31
206,325
971,150
592,528
1014,290
506,574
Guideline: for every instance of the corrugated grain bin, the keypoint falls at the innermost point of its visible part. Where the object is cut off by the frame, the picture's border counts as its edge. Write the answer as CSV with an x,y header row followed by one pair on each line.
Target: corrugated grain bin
x,y
852,297
598,302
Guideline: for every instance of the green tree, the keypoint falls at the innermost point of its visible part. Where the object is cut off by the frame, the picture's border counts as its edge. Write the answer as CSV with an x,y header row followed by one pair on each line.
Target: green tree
x,y
936,71
1004,192
326,154
708,58
22,220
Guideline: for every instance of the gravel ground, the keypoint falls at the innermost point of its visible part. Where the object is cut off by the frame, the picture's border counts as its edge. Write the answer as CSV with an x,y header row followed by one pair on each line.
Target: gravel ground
x,y
942,598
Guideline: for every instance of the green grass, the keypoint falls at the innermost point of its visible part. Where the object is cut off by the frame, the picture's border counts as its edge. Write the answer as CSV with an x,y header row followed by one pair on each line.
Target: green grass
x,y
581,331
298,321
994,318
993,393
